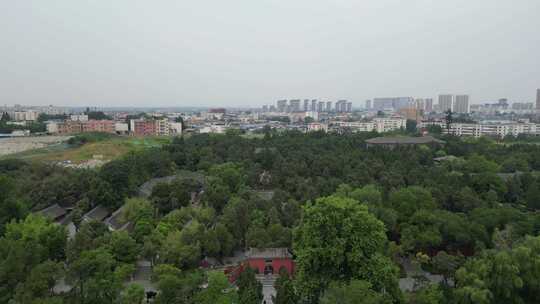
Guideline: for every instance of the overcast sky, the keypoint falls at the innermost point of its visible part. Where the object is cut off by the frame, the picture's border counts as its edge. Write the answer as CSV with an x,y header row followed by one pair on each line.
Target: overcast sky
x,y
253,52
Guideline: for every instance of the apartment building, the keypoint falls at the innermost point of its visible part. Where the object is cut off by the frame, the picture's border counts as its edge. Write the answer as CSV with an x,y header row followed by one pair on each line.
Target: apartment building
x,y
492,129
379,125
150,127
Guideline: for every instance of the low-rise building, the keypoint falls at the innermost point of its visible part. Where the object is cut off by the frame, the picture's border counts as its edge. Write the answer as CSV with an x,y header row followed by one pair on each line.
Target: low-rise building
x,y
493,129
78,117
403,141
150,127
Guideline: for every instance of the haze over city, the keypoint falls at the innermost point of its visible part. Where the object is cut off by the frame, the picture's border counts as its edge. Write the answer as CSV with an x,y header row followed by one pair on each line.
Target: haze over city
x,y
250,53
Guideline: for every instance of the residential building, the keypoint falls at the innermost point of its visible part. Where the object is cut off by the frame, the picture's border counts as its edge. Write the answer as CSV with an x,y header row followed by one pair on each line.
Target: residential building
x,y
419,104
294,105
411,113
428,105
446,102
341,106
522,106
316,126
121,127
92,125
282,105
78,117
175,128
379,124
313,105
150,127
493,129
320,106
538,99
392,103
349,107
306,105
461,104
24,115
328,106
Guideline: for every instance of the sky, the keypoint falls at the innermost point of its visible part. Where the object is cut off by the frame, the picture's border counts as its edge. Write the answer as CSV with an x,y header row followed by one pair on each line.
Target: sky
x,y
254,52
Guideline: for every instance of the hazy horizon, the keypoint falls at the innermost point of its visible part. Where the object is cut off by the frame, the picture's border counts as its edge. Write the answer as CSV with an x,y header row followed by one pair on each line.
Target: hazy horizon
x,y
249,53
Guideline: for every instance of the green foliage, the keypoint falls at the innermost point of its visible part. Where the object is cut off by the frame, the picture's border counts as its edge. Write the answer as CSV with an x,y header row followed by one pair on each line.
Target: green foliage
x,y
407,201
90,137
219,291
249,289
338,239
355,292
93,277
501,276
254,193
285,292
176,286
133,294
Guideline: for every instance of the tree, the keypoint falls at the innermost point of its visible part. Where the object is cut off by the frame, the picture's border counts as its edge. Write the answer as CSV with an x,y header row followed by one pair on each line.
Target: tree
x,y
339,240
446,264
408,200
308,120
218,291
25,245
449,119
368,194
133,294
355,292
40,282
231,173
249,289
93,277
411,126
285,292
176,286
123,247
178,249
428,295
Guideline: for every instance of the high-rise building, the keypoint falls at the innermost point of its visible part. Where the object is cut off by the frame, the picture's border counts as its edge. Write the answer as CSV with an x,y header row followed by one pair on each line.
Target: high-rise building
x,y
306,105
538,99
446,102
461,104
294,105
341,106
282,105
419,104
265,108
368,104
349,107
320,106
328,106
392,103
428,105
313,105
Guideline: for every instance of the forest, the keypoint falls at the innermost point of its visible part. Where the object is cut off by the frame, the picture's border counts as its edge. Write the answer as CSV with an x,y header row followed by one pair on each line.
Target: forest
x,y
466,210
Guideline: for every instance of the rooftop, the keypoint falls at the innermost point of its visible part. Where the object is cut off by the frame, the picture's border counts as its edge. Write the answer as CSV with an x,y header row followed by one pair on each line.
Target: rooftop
x,y
268,253
403,140
53,212
99,214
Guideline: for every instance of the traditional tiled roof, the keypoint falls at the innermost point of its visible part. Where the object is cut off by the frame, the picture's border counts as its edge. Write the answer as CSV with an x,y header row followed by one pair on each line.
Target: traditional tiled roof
x,y
115,220
53,212
404,140
99,213
268,253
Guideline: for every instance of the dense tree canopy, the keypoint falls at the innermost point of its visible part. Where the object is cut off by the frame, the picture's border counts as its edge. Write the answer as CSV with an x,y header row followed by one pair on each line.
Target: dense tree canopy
x,y
351,215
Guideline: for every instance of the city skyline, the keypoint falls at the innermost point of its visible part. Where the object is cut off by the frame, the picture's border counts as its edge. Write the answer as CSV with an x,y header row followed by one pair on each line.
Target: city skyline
x,y
251,53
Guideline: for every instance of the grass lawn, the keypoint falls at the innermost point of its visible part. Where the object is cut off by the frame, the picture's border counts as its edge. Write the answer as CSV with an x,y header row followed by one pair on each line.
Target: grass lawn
x,y
107,149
